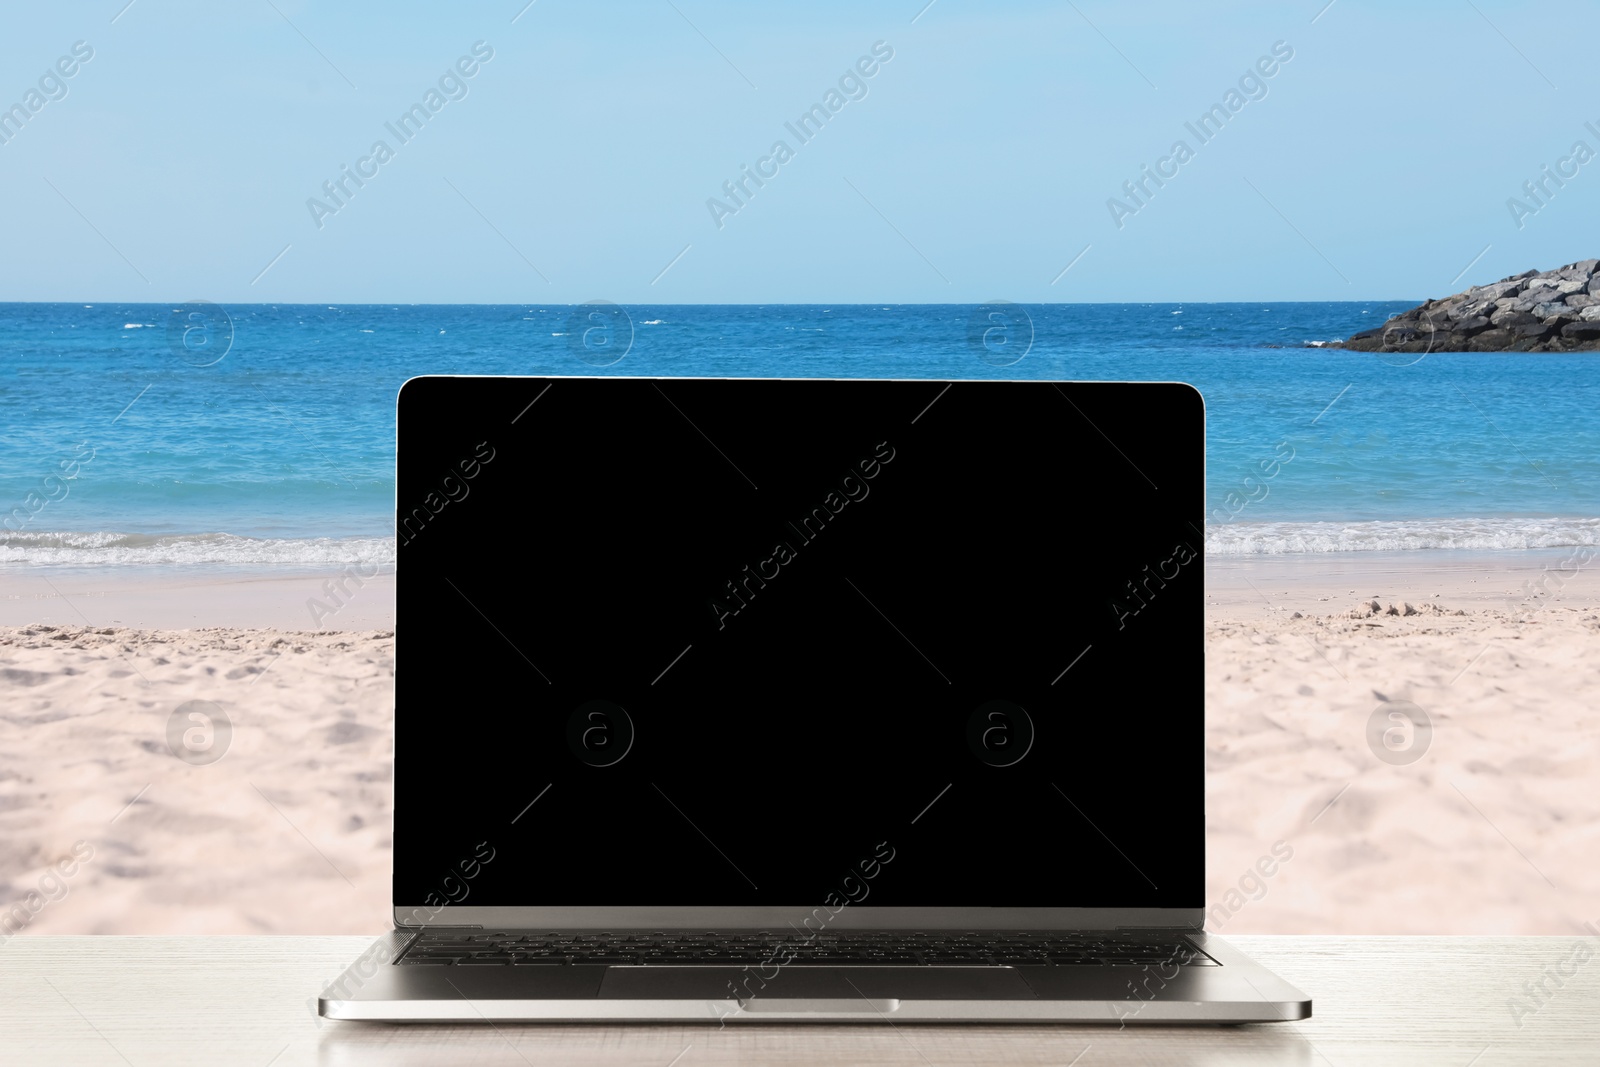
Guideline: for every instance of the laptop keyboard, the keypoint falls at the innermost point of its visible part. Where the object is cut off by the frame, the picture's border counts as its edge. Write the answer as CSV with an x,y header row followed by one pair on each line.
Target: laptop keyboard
x,y
972,949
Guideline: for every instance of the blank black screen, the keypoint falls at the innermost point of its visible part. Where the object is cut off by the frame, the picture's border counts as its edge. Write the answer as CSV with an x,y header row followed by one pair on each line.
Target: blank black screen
x,y
735,642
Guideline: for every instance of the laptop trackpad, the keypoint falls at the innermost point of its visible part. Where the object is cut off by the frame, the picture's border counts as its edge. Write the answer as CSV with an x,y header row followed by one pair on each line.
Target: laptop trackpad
x,y
833,984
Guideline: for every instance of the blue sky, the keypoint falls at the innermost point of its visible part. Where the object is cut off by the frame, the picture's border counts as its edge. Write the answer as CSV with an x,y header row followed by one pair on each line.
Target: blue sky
x,y
977,165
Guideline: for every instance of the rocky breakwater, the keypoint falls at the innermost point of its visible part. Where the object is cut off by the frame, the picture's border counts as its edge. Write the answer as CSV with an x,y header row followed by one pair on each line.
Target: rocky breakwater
x,y
1538,311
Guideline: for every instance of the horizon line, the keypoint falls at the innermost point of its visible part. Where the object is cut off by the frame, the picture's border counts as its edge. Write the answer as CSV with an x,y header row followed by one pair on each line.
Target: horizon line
x,y
88,304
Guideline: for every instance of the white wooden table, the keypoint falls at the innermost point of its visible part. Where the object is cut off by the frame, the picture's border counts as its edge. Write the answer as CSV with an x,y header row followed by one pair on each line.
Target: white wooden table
x,y
160,1001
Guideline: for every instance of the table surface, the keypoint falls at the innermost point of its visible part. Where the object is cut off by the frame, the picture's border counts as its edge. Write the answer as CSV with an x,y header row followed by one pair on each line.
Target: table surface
x,y
1457,1001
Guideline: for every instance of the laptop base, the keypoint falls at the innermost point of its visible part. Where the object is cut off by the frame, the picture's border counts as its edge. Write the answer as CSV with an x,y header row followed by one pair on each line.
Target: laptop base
x,y
375,989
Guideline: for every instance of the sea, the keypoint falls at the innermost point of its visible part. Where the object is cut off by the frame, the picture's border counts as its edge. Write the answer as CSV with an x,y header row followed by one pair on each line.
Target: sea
x,y
263,436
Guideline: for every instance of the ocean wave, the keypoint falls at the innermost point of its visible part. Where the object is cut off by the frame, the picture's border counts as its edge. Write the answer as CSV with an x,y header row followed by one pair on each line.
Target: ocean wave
x,y
1280,538
215,549
1228,539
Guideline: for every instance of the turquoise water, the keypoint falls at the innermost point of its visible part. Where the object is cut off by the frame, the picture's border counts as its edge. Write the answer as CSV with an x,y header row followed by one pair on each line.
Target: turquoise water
x,y
265,434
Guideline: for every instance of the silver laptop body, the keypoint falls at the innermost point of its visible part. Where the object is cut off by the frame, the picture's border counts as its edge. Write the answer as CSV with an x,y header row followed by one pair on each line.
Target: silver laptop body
x,y
744,701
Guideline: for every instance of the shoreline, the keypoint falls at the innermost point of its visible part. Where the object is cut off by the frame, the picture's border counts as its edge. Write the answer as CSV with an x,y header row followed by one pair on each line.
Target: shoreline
x,y
1314,583
1237,586
179,598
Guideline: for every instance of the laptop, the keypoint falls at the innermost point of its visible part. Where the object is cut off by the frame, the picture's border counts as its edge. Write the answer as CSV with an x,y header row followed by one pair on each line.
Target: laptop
x,y
745,701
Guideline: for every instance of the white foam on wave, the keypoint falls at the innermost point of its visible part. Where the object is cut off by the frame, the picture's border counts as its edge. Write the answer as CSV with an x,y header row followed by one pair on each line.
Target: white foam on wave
x,y
1281,538
1229,539
214,549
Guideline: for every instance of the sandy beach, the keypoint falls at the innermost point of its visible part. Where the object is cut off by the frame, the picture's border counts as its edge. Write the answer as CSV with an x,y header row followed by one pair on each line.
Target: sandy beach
x,y
1483,821
287,831
1491,827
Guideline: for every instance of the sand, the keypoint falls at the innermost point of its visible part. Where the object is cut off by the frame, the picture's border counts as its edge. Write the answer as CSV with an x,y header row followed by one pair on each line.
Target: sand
x,y
1494,828
182,598
287,832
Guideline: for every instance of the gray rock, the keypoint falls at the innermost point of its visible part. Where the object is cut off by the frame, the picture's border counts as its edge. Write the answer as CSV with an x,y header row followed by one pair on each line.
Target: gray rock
x,y
1468,309
1495,340
1512,319
1582,331
1532,298
1552,311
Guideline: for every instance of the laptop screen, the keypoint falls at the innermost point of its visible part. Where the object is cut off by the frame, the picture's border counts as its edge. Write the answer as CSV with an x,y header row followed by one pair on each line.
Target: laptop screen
x,y
689,642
